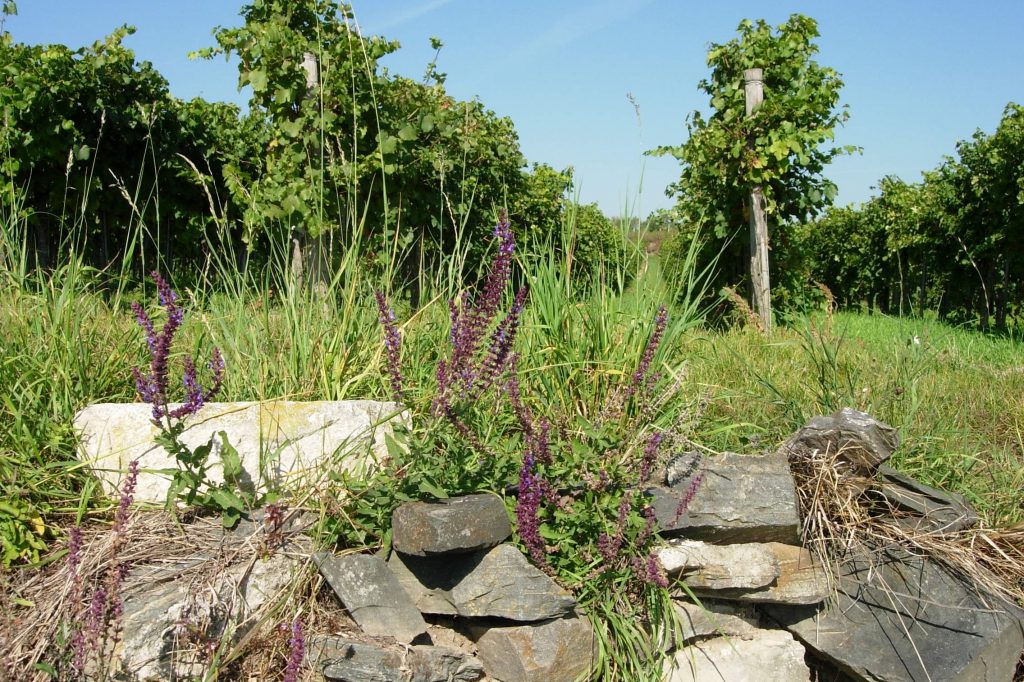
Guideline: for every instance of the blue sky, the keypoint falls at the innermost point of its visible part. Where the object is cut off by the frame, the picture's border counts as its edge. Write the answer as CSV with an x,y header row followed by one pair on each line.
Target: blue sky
x,y
919,75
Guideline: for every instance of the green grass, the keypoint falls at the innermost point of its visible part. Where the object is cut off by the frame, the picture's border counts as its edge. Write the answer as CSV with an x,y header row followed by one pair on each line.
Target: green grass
x,y
957,396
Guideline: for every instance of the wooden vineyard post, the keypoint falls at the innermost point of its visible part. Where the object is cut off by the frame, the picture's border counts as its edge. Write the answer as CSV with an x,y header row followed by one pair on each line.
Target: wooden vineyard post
x,y
759,279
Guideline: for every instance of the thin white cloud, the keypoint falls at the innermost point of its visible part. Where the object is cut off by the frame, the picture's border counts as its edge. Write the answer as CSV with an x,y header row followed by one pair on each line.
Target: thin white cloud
x,y
578,24
410,13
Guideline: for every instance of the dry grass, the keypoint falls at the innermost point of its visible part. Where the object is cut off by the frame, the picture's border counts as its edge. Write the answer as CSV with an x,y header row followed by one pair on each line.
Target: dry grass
x,y
841,518
38,605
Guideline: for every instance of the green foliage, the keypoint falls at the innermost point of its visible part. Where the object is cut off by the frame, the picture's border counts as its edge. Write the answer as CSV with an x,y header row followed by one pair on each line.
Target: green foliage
x,y
596,247
951,243
192,486
783,147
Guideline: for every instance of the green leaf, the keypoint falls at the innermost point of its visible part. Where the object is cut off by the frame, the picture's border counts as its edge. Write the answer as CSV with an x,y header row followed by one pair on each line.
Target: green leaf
x,y
407,133
430,489
258,80
230,460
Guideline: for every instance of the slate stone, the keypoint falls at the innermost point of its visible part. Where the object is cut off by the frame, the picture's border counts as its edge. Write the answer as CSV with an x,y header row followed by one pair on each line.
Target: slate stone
x,y
345,660
459,524
429,580
372,595
859,440
557,650
801,580
764,655
302,436
928,509
714,618
700,565
904,618
498,583
740,499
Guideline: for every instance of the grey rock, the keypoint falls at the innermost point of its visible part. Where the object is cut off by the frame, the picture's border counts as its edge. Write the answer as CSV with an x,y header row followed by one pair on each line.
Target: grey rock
x,y
801,580
904,618
682,467
300,435
763,655
713,618
739,499
459,524
700,565
505,585
855,437
428,580
557,650
927,508
345,660
372,595
498,583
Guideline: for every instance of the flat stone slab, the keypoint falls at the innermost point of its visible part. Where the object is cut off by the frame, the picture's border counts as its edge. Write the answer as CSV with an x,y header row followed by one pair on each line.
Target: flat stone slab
x,y
345,660
557,650
764,655
713,618
275,440
926,508
903,618
801,580
740,499
855,437
497,583
698,564
372,595
459,524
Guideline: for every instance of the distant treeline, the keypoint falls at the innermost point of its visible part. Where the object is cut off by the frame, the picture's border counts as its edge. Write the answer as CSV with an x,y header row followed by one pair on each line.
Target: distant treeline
x,y
97,156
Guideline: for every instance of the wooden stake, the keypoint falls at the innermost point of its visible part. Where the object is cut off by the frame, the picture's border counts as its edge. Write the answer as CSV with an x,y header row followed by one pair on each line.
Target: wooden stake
x,y
759,279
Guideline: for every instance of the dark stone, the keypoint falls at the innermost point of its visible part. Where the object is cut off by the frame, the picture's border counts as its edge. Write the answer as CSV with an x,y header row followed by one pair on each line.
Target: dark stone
x,y
557,650
372,595
904,618
853,436
498,583
739,499
345,660
929,509
459,524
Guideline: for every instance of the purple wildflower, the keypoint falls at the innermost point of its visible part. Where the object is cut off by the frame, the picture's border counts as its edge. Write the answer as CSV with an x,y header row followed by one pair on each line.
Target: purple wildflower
x,y
392,345
609,545
74,550
651,570
95,619
640,376
687,498
297,643
127,497
650,455
500,350
531,492
470,321
152,387
143,321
